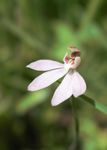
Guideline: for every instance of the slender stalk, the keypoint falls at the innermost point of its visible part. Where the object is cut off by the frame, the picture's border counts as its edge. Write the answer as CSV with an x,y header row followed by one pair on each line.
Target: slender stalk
x,y
75,115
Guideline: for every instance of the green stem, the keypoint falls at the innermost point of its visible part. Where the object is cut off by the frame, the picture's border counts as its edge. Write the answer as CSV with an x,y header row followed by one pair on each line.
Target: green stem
x,y
75,115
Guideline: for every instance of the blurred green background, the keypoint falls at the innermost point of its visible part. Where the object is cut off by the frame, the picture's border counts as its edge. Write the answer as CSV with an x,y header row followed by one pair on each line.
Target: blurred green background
x,y
43,29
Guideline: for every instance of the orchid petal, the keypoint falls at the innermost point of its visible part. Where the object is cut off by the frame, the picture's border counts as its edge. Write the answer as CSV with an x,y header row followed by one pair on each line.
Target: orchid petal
x,y
64,91
46,79
45,65
78,84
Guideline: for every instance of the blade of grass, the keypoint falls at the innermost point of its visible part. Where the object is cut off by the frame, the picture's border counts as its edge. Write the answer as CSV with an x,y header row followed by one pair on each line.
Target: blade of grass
x,y
94,103
23,35
31,100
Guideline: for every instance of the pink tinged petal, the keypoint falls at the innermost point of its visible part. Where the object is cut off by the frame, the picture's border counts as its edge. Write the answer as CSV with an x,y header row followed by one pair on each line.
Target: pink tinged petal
x,y
78,84
66,58
64,91
46,79
45,65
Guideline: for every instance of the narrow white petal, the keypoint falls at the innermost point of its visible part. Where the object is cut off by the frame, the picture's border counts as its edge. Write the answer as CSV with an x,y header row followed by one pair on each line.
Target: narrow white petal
x,y
46,79
78,84
64,91
45,65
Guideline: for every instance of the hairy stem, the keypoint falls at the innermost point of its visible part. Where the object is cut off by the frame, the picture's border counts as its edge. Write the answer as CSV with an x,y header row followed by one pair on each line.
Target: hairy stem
x,y
76,121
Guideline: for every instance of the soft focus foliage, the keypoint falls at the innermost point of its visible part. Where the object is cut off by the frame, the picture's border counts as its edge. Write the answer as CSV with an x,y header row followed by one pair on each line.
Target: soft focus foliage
x,y
35,29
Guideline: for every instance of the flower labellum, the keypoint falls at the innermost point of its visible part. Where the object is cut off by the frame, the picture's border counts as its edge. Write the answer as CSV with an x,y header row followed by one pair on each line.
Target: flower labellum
x,y
73,83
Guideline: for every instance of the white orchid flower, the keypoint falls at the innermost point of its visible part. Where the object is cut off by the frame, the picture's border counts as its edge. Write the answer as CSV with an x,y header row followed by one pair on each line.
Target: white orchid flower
x,y
72,84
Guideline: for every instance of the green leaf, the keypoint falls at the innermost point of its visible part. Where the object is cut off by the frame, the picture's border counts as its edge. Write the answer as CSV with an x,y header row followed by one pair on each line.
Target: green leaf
x,y
95,104
31,100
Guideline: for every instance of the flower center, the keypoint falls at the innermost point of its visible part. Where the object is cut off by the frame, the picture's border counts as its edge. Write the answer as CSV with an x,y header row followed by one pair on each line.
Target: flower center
x,y
72,60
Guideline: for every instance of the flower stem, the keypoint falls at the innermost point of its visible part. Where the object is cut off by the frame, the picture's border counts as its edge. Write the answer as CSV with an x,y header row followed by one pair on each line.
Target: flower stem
x,y
76,121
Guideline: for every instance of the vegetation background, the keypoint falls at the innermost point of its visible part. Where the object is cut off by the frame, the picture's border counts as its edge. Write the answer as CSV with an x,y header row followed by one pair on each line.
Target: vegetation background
x,y
43,29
